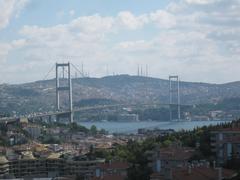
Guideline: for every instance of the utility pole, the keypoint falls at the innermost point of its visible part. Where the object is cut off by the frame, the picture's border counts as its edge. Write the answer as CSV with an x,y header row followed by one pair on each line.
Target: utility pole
x,y
146,70
138,70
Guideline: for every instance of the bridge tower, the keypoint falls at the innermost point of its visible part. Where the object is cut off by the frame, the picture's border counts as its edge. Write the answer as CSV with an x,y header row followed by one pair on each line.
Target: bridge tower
x,y
65,67
174,89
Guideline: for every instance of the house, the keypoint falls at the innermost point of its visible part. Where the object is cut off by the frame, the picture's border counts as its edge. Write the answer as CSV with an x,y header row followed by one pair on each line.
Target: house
x,y
33,131
4,167
170,157
195,173
111,170
225,143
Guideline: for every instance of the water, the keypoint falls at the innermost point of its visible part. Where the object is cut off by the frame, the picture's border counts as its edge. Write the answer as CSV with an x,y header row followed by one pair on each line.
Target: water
x,y
132,127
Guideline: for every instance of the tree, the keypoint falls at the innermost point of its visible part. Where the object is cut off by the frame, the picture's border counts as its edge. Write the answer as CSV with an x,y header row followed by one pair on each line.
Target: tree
x,y
103,131
167,143
93,130
74,127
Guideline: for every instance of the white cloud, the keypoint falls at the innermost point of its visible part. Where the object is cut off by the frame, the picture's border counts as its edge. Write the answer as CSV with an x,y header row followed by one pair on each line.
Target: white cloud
x,y
19,43
92,24
201,1
9,9
163,19
190,38
6,48
130,21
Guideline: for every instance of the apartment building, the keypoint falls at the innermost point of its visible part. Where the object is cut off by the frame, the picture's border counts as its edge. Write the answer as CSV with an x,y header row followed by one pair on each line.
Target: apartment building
x,y
4,166
226,143
170,157
53,166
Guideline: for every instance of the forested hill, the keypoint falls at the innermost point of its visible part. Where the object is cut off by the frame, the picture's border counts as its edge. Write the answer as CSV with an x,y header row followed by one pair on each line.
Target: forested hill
x,y
40,95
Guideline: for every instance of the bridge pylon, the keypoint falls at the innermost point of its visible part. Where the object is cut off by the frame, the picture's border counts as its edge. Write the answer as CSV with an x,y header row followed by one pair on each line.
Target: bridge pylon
x,y
174,90
65,67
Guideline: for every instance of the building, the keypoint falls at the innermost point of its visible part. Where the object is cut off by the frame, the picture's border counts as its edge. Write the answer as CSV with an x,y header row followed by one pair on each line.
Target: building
x,y
4,166
170,157
111,171
128,117
195,173
33,131
226,144
216,114
15,138
28,166
155,132
200,118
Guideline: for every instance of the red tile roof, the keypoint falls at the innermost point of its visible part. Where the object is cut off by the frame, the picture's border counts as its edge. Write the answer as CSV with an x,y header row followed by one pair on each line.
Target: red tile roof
x,y
176,153
231,129
197,173
200,173
109,177
114,165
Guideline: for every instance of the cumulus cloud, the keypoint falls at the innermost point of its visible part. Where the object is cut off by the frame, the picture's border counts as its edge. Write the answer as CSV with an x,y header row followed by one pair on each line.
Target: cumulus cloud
x,y
163,19
192,38
92,24
9,9
130,21
201,1
6,48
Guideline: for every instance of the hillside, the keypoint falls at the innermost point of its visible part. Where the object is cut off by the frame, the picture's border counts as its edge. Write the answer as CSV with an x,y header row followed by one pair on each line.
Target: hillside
x,y
40,95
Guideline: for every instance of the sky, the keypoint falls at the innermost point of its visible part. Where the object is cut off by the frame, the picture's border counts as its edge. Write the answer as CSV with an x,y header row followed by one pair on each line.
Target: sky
x,y
199,40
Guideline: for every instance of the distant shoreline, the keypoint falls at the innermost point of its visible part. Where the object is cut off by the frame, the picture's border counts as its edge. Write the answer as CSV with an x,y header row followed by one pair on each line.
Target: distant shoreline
x,y
132,127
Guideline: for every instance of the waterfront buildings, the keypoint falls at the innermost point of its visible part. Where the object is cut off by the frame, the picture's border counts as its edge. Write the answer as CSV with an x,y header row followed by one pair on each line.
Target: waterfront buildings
x,y
128,117
155,132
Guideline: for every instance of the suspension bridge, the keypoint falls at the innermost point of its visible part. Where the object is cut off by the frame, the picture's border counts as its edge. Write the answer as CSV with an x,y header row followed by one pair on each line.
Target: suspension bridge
x,y
63,78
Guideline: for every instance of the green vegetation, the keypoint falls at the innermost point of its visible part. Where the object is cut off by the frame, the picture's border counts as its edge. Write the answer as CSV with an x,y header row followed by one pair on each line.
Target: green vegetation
x,y
3,130
136,152
156,114
93,130
227,104
94,102
50,140
72,128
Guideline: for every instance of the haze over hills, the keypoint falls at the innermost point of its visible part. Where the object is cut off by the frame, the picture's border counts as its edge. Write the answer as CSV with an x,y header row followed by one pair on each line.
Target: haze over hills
x,y
40,95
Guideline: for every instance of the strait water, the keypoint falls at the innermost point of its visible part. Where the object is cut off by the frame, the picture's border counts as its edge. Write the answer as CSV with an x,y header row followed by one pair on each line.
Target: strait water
x,y
132,127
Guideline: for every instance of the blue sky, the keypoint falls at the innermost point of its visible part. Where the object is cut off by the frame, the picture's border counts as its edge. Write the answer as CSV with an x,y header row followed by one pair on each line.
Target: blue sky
x,y
48,13
197,39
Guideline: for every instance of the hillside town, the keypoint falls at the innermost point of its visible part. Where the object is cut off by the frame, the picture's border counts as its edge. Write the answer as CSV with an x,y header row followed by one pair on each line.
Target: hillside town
x,y
68,151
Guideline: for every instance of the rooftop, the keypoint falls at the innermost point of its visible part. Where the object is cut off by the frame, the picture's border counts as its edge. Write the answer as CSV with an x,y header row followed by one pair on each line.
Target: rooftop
x,y
27,155
54,156
232,129
181,153
196,173
114,165
109,177
3,160
201,173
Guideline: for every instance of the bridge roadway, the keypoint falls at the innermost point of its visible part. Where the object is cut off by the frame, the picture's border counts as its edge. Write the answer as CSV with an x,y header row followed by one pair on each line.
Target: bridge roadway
x,y
98,107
